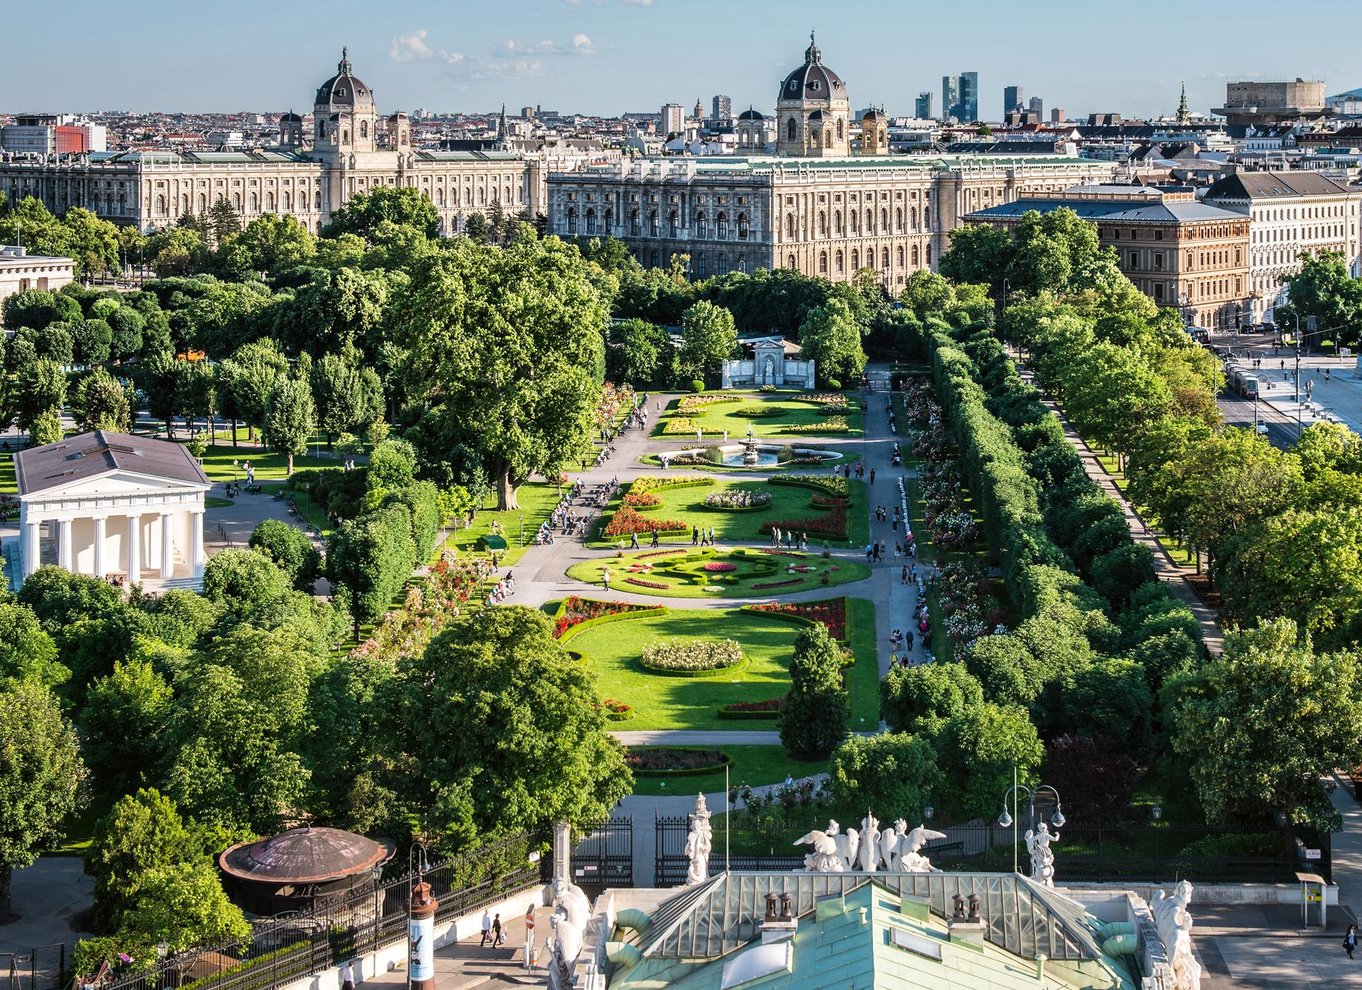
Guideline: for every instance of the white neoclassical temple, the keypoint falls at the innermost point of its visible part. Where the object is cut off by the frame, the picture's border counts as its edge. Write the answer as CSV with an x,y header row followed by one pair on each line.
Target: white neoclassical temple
x,y
113,506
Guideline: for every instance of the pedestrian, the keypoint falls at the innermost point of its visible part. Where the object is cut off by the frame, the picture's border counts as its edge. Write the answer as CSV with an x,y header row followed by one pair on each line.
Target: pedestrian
x,y
487,915
347,975
694,535
654,543
872,476
498,936
1350,940
711,536
903,577
250,473
633,541
699,433
775,536
869,552
605,578
803,540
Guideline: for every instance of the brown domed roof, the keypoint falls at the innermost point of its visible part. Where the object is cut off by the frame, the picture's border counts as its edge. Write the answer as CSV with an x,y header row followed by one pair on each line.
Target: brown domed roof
x,y
304,855
813,80
344,89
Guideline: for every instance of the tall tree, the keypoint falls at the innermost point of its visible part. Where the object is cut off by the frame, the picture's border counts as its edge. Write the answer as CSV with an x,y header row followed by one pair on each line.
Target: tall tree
x,y
830,337
348,397
813,719
708,337
40,778
290,418
365,213
249,376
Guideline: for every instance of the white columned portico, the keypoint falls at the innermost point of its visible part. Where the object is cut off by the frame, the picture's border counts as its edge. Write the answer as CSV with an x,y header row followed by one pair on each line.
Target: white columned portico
x,y
30,546
64,543
134,549
196,553
167,547
101,568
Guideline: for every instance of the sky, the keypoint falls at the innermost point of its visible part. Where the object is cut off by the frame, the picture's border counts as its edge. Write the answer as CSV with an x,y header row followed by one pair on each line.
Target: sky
x,y
611,56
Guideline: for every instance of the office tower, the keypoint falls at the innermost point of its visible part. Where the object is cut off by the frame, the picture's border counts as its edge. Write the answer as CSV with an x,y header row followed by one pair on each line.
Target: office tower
x,y
1012,99
723,108
1056,115
673,118
1037,107
950,95
966,108
922,109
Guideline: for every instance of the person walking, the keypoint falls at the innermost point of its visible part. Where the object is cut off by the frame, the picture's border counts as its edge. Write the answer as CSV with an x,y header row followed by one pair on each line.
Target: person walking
x,y
487,919
872,476
655,540
605,578
347,975
694,535
633,541
1350,940
498,936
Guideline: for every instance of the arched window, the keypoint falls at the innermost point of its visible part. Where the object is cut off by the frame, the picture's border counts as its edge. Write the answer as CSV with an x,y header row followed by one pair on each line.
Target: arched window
x,y
236,201
255,203
609,225
160,206
855,260
590,221
269,202
839,128
899,255
837,223
884,220
855,216
635,227
822,262
913,216
721,223
822,224
439,197
674,223
288,201
839,259
652,226
898,219
572,219
184,204
827,139
790,261
789,226
916,256
884,258
869,221
701,225
742,226
364,128
345,136
929,254
203,203
317,197
791,130
482,197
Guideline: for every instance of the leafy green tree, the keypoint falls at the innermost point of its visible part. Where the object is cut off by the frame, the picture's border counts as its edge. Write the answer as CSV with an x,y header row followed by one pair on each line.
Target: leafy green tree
x,y
348,397
27,652
249,376
830,337
509,344
895,772
504,730
911,696
269,243
45,428
368,560
1110,698
291,550
40,387
127,326
93,243
100,402
183,906
813,719
123,725
290,417
708,337
177,251
222,223
1261,724
978,750
37,308
979,253
1324,289
640,354
365,213
246,583
40,778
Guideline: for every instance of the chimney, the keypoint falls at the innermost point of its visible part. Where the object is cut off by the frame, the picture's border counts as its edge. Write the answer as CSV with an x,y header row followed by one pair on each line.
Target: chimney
x,y
778,927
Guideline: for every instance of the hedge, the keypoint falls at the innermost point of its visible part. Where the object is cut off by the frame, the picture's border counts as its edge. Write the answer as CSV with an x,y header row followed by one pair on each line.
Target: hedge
x,y
690,771
833,484
617,617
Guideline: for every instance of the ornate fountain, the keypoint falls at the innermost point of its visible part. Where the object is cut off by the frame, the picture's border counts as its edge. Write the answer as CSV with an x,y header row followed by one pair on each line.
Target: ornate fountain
x,y
750,455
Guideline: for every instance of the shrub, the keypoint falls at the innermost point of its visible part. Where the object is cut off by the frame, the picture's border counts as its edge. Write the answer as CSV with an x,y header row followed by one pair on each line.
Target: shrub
x,y
575,610
694,655
832,523
291,549
786,454
834,384
768,709
697,385
761,410
651,483
896,771
814,717
627,520
767,388
698,403
831,614
833,424
661,760
719,567
715,454
678,426
834,485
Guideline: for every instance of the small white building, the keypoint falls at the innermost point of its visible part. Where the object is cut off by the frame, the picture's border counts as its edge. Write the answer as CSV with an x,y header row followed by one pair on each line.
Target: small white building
x,y
20,270
113,506
774,361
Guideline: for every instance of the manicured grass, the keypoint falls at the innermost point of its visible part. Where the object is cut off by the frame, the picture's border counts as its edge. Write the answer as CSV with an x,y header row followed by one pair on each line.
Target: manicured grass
x,y
755,766
217,463
721,416
536,500
611,650
788,502
8,484
685,577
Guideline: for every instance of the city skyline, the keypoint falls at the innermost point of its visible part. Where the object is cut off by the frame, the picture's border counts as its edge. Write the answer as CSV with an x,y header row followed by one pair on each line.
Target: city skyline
x,y
574,58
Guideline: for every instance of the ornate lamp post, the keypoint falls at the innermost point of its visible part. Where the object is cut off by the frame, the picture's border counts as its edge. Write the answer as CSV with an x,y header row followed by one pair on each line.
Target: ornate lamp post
x,y
1008,820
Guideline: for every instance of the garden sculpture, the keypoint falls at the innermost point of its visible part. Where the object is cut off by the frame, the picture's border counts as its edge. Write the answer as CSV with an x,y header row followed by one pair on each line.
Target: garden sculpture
x,y
1174,922
909,853
698,843
1042,859
870,843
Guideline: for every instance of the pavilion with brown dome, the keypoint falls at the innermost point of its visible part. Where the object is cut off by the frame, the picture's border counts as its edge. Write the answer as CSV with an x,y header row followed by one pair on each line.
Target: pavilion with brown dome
x,y
298,869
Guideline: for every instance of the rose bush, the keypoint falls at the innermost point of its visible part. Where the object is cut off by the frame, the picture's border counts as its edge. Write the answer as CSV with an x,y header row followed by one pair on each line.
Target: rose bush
x,y
692,654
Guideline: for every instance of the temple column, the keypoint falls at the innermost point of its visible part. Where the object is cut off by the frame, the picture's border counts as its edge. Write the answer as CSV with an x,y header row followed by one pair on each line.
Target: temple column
x,y
31,545
64,544
100,535
196,554
167,548
134,549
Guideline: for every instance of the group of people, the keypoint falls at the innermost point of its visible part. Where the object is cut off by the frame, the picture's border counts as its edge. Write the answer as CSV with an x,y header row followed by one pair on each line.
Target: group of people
x,y
789,539
501,589
699,536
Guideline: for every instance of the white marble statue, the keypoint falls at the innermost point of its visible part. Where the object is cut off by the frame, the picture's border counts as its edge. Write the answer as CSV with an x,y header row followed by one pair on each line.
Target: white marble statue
x,y
1174,922
1042,859
833,851
848,844
909,849
699,841
571,912
891,843
869,843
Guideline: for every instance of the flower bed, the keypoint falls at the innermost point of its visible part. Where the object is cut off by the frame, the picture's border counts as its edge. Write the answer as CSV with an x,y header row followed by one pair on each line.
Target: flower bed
x,y
768,709
576,610
832,523
693,656
698,403
737,498
833,424
628,520
834,485
719,567
824,398
664,761
766,585
831,613
677,426
641,500
405,632
759,411
651,483
615,711
640,582
661,553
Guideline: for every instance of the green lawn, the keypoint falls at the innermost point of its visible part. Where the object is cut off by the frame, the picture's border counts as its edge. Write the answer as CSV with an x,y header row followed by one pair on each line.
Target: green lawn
x,y
752,765
684,576
611,651
721,416
8,484
536,499
217,463
788,502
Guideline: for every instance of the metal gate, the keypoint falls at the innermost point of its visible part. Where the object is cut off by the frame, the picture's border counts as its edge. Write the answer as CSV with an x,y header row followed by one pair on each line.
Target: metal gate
x,y
43,968
604,856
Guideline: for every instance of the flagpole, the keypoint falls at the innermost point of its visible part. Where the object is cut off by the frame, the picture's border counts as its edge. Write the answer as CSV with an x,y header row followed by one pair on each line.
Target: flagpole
x,y
728,814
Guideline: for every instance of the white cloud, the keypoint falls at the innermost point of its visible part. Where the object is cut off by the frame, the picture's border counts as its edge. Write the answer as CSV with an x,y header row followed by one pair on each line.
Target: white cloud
x,y
638,3
582,45
410,47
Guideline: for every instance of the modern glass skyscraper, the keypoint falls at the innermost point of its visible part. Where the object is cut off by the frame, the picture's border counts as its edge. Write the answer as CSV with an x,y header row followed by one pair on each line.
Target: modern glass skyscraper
x,y
969,97
1012,99
950,95
922,109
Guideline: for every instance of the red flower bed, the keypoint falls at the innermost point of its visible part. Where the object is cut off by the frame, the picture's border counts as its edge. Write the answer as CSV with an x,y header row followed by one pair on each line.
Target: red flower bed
x,y
645,584
719,567
661,553
832,613
642,499
832,523
577,610
615,711
784,553
627,520
769,705
763,585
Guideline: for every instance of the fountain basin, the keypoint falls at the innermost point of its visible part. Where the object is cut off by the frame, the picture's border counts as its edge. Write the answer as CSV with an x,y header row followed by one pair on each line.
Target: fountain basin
x,y
736,454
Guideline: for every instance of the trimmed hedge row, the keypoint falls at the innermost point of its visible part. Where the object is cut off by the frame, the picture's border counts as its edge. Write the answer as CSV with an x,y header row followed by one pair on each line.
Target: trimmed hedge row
x,y
602,620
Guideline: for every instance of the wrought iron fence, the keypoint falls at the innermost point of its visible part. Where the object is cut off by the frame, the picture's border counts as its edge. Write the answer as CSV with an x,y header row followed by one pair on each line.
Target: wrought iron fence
x,y
43,967
604,855
289,947
1142,853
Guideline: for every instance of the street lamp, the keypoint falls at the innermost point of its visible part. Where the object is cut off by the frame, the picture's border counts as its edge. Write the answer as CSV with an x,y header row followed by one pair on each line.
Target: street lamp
x,y
420,923
1008,819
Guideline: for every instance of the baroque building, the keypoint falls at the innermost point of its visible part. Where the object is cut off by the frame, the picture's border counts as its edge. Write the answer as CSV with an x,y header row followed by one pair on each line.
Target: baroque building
x,y
348,150
813,207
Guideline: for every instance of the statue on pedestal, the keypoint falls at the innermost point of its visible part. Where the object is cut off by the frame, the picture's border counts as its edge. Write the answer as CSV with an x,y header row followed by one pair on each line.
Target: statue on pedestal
x,y
699,841
832,851
869,843
908,849
1042,859
1174,922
